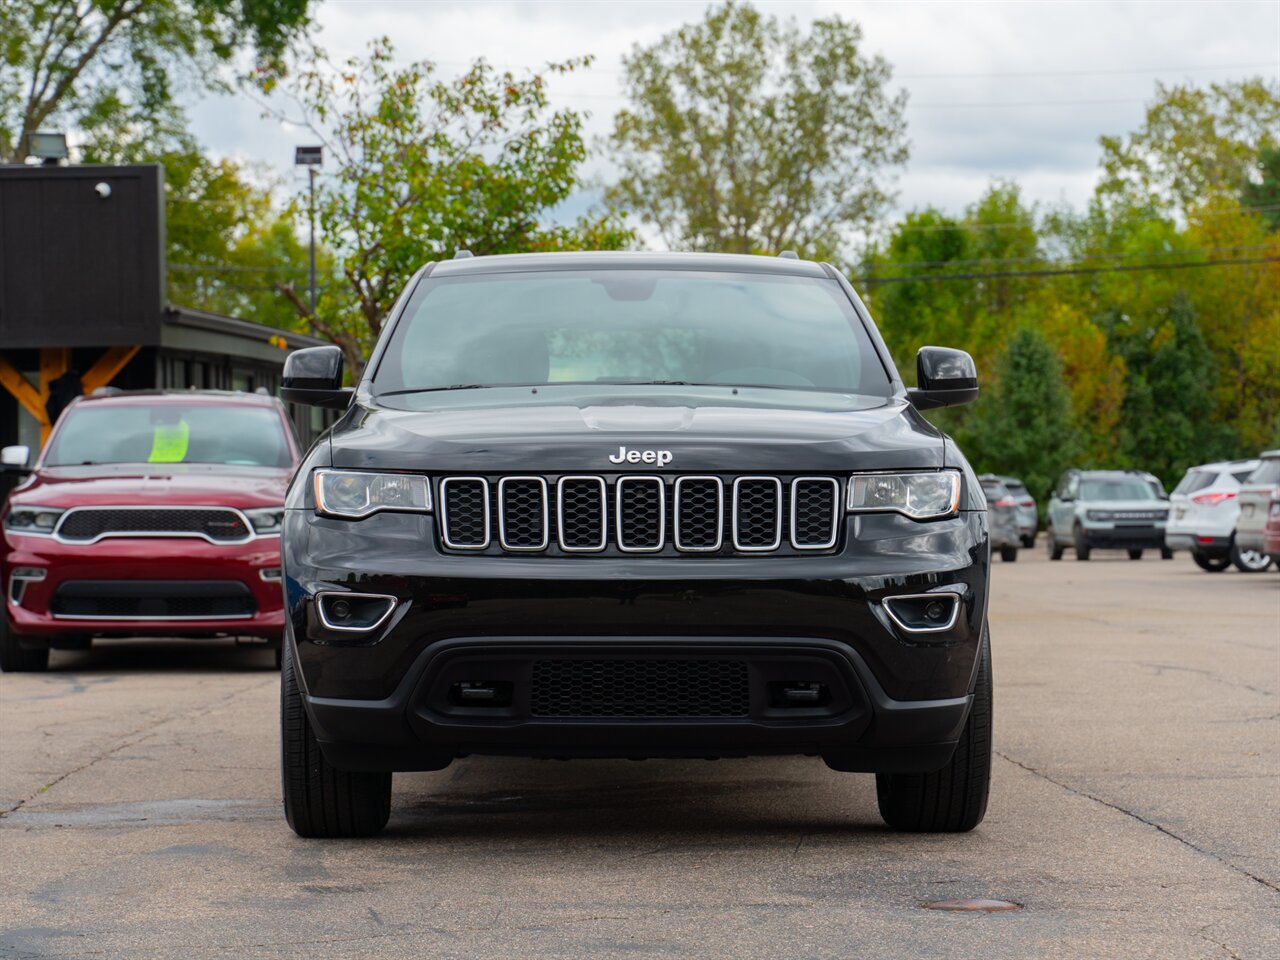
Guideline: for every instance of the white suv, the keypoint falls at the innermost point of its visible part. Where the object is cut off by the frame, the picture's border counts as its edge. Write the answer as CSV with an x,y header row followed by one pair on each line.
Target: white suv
x,y
1203,515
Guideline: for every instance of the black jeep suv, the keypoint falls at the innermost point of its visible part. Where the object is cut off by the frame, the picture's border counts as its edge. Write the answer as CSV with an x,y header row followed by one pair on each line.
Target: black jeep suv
x,y
634,505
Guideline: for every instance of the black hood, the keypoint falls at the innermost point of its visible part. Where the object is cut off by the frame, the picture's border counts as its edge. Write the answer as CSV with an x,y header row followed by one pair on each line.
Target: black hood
x,y
486,433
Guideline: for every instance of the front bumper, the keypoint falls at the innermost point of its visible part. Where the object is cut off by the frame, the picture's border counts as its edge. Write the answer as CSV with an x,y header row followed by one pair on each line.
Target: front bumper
x,y
33,612
892,701
1124,537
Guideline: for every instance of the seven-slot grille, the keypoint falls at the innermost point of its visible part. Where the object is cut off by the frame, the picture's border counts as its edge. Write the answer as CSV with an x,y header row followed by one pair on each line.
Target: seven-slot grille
x,y
640,514
216,524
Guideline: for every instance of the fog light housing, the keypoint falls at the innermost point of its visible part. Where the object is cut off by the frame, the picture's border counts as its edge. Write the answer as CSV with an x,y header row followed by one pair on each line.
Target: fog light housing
x,y
19,579
923,612
354,612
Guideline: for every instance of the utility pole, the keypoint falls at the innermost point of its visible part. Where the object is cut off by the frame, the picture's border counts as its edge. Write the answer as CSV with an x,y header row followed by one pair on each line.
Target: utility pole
x,y
311,158
311,216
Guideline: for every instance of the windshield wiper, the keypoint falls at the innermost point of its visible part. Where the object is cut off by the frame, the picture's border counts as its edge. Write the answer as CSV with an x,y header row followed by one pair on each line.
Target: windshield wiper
x,y
452,386
622,382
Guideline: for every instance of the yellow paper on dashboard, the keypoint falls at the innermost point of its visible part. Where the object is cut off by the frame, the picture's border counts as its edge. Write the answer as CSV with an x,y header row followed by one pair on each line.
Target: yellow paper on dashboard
x,y
169,443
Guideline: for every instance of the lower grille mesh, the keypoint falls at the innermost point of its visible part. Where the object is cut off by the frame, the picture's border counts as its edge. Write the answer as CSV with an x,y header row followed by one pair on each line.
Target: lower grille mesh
x,y
640,688
153,599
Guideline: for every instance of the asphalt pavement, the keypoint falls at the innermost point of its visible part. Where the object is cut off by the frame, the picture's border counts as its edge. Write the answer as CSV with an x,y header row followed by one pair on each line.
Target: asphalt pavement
x,y
1135,812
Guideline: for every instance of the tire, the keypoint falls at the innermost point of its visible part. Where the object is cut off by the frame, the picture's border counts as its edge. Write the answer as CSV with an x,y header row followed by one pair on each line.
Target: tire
x,y
321,800
1135,554
1008,554
1029,540
15,658
953,799
1166,553
1080,543
1249,561
1055,549
1211,564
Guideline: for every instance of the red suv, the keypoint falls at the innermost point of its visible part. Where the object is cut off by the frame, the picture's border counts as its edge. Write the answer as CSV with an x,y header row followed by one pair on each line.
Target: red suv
x,y
148,513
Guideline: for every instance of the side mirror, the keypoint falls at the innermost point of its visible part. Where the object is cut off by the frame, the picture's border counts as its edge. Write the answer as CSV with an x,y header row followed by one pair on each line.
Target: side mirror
x,y
314,376
15,459
944,378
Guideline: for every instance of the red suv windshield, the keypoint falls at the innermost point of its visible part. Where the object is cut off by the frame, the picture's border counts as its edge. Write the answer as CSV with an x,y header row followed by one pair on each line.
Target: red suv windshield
x,y
170,433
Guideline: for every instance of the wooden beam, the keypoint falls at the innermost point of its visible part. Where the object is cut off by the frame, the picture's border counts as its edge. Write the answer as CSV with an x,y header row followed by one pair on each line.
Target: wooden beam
x,y
21,389
54,362
107,367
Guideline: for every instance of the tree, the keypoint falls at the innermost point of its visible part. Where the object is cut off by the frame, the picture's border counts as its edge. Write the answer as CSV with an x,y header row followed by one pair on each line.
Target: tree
x,y
1194,144
423,167
745,135
1168,421
1023,425
114,63
1263,194
912,313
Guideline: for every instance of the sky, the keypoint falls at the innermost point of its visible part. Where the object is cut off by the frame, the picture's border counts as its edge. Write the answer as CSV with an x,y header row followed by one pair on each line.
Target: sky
x,y
1016,90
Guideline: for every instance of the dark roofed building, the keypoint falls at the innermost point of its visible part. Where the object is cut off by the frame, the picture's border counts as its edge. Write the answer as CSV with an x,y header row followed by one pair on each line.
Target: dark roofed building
x,y
83,306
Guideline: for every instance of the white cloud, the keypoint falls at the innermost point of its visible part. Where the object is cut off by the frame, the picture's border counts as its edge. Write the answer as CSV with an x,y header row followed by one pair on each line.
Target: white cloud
x,y
1020,91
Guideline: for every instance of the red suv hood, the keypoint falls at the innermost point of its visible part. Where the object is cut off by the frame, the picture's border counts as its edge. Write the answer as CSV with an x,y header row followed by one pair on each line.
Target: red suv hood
x,y
139,484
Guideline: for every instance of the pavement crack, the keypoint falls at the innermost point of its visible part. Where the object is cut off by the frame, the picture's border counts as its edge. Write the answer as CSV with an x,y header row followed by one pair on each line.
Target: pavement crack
x,y
132,738
1141,819
1160,668
1203,935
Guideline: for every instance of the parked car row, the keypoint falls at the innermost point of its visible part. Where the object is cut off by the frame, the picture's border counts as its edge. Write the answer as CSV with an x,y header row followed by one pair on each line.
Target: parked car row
x,y
1224,514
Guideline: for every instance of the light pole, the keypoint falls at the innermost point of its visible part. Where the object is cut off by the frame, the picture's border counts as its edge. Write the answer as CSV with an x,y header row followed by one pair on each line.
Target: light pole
x,y
311,158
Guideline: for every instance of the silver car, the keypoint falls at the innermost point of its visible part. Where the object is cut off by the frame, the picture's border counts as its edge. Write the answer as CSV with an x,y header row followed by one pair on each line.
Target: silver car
x,y
1002,517
1256,493
1106,509
1028,516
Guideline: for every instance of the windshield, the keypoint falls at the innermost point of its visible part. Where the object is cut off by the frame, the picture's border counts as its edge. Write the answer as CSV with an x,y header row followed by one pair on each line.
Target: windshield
x,y
1194,480
170,433
995,490
1116,490
1268,471
628,327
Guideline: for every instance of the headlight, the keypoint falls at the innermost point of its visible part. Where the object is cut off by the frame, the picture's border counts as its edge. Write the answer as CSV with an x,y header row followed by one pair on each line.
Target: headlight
x,y
920,496
266,519
1099,515
354,494
33,519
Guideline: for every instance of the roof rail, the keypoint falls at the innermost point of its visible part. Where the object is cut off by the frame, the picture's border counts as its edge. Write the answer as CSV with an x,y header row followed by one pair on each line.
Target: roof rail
x,y
788,255
463,255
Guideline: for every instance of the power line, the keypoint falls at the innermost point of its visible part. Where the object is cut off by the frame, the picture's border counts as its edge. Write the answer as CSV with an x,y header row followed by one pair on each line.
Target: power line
x,y
992,75
1063,272
1028,225
995,261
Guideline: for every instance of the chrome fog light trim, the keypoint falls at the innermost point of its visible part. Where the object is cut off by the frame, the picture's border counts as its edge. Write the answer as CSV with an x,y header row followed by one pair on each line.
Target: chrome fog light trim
x,y
327,599
952,598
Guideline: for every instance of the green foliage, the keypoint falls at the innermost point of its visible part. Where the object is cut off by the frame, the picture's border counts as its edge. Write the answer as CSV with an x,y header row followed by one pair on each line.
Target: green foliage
x,y
1168,423
1263,194
1023,424
1165,363
1195,143
746,136
419,167
115,64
